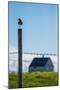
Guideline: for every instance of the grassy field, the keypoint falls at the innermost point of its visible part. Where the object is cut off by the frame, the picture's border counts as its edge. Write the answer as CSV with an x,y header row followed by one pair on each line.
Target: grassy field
x,y
35,79
13,80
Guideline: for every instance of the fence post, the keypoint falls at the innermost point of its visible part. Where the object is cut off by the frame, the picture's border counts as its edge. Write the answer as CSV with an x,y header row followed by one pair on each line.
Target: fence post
x,y
20,58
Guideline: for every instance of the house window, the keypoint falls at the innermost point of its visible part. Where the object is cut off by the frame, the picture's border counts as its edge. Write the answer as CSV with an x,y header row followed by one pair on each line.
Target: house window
x,y
50,67
41,70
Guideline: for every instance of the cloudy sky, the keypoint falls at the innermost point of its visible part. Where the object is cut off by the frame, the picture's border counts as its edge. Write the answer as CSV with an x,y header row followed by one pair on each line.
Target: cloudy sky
x,y
39,30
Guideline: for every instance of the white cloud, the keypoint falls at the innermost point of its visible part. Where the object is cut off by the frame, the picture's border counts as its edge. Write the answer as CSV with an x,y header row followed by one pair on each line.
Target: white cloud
x,y
13,49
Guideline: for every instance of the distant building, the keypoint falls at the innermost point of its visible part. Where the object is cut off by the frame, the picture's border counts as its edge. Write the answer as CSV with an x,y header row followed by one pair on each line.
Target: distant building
x,y
41,64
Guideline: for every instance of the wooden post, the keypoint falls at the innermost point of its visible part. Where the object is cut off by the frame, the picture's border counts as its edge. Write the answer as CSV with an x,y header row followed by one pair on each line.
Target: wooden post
x,y
19,58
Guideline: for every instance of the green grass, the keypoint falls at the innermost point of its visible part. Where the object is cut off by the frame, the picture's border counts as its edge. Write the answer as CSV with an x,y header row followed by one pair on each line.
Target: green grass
x,y
34,79
38,79
13,80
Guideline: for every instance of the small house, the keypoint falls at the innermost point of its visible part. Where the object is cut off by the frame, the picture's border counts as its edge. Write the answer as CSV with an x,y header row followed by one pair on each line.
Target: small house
x,y
42,64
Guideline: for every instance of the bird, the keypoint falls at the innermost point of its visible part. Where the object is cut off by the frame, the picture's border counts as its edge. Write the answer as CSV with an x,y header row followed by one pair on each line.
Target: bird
x,y
20,21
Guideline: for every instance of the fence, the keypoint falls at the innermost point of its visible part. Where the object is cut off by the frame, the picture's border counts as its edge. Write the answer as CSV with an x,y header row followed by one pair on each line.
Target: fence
x,y
27,58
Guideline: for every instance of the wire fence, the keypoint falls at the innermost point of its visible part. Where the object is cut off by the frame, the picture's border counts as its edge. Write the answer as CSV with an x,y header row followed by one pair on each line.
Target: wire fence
x,y
27,58
34,53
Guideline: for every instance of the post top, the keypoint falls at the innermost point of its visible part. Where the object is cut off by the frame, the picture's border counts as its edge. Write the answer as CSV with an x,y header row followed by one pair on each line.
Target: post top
x,y
20,21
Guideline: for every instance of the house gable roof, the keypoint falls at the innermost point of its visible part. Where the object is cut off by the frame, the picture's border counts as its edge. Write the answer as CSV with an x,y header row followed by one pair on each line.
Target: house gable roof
x,y
39,61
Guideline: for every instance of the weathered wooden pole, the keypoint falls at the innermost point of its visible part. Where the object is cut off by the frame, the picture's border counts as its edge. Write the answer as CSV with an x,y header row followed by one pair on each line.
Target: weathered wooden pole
x,y
20,55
